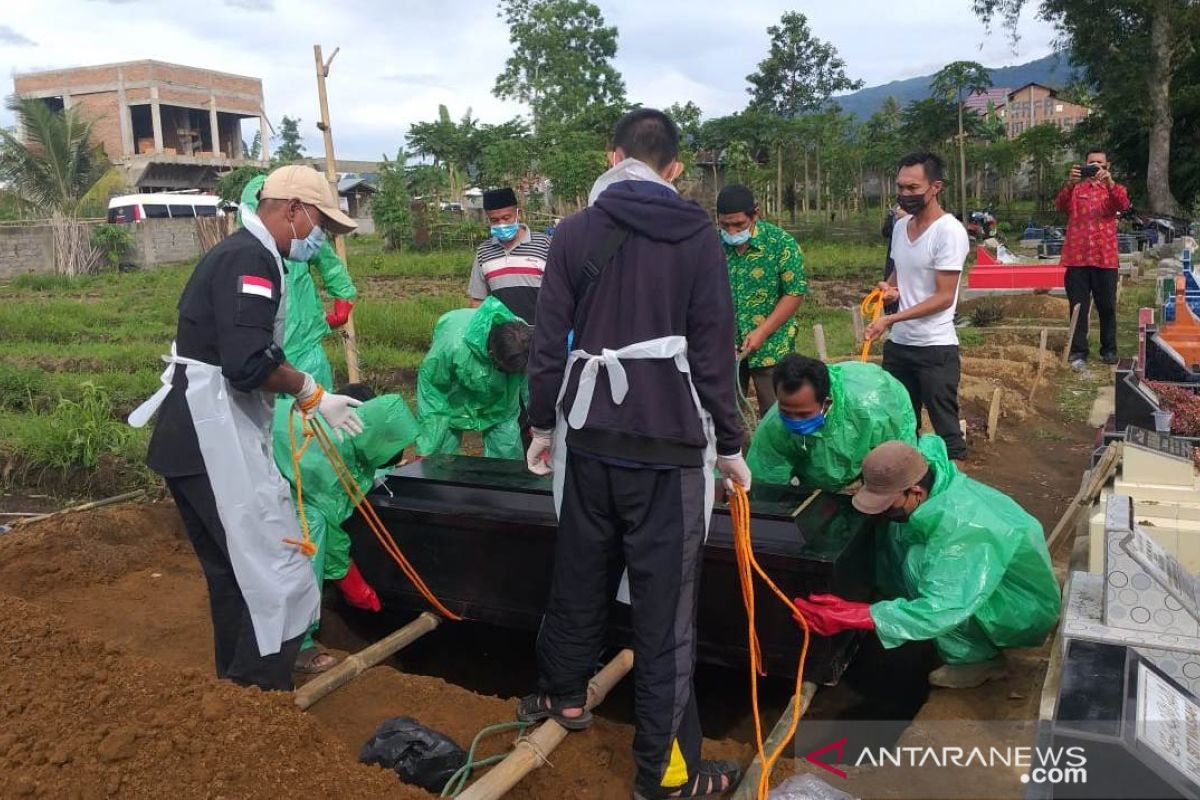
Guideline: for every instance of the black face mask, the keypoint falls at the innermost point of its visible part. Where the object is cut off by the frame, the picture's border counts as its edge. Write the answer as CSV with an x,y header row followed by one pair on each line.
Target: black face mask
x,y
912,203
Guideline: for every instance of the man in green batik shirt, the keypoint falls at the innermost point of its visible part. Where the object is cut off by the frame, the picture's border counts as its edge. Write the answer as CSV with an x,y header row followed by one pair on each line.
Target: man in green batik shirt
x,y
766,273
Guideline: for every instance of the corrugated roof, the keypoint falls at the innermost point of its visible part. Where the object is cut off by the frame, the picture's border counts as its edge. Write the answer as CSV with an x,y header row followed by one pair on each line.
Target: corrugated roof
x,y
979,102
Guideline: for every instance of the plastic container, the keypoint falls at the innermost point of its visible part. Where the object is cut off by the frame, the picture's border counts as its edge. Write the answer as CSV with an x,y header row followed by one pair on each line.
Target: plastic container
x,y
1162,421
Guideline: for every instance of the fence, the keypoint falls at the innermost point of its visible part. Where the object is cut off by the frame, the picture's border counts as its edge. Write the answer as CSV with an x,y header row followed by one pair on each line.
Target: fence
x,y
28,245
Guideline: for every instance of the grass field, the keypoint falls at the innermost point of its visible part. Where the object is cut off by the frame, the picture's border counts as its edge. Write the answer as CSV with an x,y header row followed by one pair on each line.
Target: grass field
x,y
77,355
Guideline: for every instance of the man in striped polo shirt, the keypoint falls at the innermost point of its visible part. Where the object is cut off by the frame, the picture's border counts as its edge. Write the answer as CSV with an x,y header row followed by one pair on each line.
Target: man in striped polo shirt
x,y
510,264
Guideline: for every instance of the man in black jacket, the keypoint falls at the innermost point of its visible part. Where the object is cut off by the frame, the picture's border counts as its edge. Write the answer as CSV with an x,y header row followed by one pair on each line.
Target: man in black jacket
x,y
636,416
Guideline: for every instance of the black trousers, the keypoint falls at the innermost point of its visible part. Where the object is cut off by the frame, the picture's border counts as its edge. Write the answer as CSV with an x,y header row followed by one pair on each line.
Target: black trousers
x,y
1085,285
651,521
931,375
234,644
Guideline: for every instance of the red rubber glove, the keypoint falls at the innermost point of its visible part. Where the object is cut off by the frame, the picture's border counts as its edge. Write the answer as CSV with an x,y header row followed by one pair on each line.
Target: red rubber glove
x,y
829,615
340,314
357,591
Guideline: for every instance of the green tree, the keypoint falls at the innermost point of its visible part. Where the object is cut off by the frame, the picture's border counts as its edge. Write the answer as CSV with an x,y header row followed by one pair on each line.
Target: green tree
x,y
232,183
1042,145
391,206
571,159
253,151
290,146
1131,51
52,165
928,124
956,81
451,145
687,117
562,59
800,72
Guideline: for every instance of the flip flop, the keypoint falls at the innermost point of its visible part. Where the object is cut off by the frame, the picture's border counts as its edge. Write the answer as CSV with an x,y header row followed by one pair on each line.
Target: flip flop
x,y
313,662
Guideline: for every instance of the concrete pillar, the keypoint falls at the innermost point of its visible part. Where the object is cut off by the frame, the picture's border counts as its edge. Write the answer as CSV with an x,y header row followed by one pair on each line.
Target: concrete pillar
x,y
156,119
126,120
264,135
216,128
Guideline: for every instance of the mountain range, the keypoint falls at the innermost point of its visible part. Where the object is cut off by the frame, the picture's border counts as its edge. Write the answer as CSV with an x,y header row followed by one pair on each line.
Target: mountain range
x,y
1053,70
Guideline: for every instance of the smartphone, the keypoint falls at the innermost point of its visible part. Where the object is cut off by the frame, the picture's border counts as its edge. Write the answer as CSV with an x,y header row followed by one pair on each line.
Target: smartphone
x,y
1089,170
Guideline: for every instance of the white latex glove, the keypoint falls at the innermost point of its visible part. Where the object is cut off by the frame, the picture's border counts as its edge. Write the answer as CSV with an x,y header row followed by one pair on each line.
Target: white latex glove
x,y
338,411
537,458
733,470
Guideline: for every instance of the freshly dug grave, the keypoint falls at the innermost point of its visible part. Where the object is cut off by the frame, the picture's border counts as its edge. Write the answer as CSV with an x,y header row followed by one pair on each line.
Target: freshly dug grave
x,y
1023,306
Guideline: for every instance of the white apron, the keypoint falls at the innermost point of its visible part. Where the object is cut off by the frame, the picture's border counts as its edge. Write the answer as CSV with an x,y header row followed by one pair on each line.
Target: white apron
x,y
673,347
254,501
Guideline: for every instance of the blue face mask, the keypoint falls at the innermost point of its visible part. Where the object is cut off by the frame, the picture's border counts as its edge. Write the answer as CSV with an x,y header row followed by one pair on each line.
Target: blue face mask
x,y
806,426
506,233
735,239
302,250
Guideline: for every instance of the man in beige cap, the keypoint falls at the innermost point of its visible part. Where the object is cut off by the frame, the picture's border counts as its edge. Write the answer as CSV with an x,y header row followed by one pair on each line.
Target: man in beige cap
x,y
967,566
212,442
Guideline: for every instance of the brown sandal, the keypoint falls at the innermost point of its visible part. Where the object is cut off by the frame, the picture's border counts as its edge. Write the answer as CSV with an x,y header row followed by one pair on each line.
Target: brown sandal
x,y
313,662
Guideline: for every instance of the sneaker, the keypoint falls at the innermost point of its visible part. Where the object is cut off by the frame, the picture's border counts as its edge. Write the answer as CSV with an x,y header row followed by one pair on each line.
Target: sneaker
x,y
1109,358
968,676
1078,364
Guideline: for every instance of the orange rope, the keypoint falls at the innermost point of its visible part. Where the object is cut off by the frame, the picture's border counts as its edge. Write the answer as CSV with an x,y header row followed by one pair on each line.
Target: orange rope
x,y
872,306
314,430
739,512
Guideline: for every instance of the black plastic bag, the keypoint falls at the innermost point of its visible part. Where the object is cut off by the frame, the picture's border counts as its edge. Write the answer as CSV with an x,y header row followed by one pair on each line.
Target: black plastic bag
x,y
420,756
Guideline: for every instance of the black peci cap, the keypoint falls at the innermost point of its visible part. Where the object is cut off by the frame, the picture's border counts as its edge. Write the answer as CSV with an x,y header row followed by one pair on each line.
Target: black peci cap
x,y
499,198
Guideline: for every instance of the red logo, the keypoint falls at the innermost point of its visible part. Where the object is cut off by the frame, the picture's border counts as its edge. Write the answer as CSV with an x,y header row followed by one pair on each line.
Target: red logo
x,y
839,745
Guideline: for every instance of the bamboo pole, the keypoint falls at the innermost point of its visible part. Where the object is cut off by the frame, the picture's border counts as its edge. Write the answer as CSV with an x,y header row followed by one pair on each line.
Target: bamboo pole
x,y
364,659
349,340
1066,355
1105,468
108,501
819,339
1041,364
859,325
747,788
531,751
994,414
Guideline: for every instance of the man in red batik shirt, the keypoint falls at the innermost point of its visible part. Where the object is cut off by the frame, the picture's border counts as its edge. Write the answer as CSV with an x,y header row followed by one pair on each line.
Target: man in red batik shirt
x,y
1092,201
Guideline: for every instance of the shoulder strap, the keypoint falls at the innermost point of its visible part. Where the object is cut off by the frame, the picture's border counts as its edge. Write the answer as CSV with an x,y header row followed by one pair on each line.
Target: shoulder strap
x,y
597,260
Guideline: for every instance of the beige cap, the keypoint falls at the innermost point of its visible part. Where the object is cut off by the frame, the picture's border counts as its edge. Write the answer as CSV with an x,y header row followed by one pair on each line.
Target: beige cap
x,y
887,471
298,182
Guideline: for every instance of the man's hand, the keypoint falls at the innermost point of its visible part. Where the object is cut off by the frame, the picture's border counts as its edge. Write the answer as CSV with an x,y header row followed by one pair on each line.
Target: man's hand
x,y
890,293
1105,178
829,615
1076,175
753,341
733,470
340,314
537,458
879,327
338,411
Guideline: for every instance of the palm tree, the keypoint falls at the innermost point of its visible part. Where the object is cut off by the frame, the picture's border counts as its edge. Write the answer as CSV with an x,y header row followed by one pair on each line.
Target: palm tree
x,y
51,164
950,82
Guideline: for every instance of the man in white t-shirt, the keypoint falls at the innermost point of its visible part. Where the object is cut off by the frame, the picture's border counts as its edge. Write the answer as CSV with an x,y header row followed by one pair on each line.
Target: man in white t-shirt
x,y
929,247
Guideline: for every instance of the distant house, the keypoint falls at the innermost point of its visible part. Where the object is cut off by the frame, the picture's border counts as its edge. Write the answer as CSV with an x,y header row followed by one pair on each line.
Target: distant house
x,y
996,96
1035,104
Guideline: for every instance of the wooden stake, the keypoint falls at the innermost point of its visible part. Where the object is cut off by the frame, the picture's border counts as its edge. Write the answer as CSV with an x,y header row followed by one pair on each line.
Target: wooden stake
x,y
349,340
532,750
994,414
860,329
819,339
364,659
1105,468
747,789
1041,364
1066,356
121,498
807,502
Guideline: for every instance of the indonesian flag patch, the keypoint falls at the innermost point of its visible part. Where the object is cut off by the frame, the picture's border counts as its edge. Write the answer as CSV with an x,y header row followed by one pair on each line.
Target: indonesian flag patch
x,y
252,284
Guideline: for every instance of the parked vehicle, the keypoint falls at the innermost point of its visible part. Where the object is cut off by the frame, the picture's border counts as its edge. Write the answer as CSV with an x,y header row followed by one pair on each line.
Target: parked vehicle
x,y
163,205
981,224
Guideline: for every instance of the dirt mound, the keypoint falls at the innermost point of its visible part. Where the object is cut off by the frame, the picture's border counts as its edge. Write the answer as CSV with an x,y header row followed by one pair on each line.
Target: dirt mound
x,y
89,548
81,720
1025,306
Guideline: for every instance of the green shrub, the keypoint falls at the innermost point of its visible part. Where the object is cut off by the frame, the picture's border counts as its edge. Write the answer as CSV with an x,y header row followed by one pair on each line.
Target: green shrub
x,y
114,243
80,430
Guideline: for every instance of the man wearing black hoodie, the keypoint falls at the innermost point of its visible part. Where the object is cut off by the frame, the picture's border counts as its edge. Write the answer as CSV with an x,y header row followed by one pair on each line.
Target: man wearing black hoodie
x,y
635,418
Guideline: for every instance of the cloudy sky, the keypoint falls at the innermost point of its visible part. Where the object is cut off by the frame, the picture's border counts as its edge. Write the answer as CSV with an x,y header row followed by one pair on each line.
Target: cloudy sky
x,y
401,58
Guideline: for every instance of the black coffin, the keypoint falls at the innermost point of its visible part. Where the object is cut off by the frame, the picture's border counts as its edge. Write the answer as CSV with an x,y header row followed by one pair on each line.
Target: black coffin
x,y
481,534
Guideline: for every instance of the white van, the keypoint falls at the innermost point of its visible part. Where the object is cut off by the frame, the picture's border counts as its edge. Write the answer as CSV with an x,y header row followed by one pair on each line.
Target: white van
x,y
162,205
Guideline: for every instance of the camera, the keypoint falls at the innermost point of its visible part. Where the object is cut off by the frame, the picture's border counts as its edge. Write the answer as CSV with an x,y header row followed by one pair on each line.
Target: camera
x,y
1089,170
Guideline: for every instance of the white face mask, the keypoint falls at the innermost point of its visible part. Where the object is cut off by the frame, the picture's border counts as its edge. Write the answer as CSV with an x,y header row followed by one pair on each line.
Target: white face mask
x,y
629,169
302,250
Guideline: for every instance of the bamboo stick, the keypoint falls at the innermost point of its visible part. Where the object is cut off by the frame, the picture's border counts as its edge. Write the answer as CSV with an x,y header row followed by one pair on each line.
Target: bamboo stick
x,y
993,422
819,339
1066,355
364,659
1104,469
859,326
1041,364
747,789
531,751
108,501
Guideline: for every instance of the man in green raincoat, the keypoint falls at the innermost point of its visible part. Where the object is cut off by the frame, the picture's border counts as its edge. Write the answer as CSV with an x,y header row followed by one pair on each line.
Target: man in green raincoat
x,y
388,428
472,379
826,420
967,567
307,322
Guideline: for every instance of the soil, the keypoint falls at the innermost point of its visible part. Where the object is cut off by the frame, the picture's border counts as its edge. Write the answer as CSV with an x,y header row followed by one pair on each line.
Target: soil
x,y
1021,307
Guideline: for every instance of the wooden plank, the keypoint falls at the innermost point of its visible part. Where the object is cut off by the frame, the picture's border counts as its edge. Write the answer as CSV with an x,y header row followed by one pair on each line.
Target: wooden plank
x,y
819,339
994,414
1041,364
1105,468
1066,354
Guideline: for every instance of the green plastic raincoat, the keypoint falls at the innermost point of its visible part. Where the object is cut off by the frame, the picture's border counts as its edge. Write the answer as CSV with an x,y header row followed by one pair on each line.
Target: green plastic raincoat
x,y
459,389
971,567
388,428
868,407
306,326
